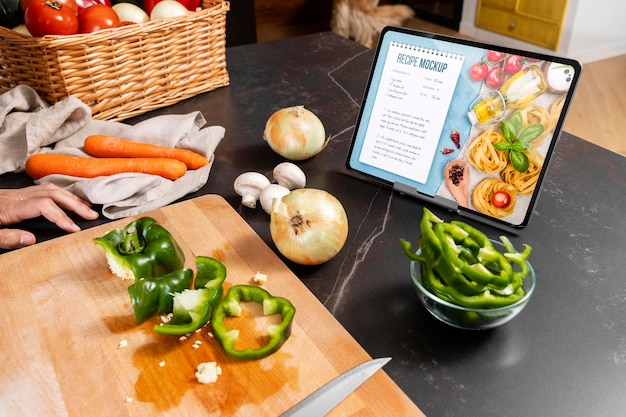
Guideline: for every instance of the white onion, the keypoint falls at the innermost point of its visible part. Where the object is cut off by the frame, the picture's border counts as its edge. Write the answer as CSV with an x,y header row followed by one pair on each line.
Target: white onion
x,y
295,133
308,226
168,8
22,29
128,12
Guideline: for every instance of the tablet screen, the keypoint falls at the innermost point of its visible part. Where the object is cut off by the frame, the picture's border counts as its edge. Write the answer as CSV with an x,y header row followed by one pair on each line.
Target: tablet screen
x,y
462,121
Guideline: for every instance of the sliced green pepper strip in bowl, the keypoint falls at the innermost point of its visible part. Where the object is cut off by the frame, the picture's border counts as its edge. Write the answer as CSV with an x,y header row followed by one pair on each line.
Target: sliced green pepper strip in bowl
x,y
435,246
454,274
467,275
460,264
230,306
487,256
518,258
484,300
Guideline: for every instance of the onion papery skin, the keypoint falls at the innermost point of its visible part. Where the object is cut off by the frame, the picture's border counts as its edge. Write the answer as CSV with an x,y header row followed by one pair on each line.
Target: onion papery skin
x,y
295,133
308,226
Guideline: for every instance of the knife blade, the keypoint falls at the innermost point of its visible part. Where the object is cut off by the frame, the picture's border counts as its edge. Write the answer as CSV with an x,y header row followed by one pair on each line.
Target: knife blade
x,y
324,399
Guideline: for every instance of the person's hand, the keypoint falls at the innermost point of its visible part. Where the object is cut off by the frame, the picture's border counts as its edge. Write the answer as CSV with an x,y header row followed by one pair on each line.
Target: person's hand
x,y
45,200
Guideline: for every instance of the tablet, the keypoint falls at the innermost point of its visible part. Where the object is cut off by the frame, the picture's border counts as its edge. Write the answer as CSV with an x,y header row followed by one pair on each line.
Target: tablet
x,y
462,124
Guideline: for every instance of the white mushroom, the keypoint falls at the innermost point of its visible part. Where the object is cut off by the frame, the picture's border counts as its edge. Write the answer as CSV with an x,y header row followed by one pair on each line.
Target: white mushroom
x,y
289,175
268,195
249,186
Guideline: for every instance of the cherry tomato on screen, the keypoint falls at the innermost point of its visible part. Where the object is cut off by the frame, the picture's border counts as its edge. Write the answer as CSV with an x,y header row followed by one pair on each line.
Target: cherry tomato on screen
x,y
501,199
478,71
495,56
495,77
51,17
97,17
513,64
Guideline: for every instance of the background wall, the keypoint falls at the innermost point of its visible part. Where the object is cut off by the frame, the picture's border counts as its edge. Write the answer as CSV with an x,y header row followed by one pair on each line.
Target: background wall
x,y
593,30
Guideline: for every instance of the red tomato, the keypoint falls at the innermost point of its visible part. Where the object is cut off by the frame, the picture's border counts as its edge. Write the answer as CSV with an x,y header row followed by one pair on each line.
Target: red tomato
x,y
191,5
495,56
148,5
479,71
513,64
495,77
83,4
501,199
97,17
66,3
51,17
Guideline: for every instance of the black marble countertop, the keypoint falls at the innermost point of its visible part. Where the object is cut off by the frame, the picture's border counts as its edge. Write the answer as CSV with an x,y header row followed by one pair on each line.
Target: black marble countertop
x,y
564,355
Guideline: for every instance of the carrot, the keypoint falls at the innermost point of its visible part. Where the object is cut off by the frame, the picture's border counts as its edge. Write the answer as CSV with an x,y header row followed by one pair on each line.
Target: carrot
x,y
110,147
43,164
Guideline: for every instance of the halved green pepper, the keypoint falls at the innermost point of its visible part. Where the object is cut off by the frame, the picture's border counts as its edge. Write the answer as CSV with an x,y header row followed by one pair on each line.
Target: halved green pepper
x,y
153,296
230,306
143,249
192,308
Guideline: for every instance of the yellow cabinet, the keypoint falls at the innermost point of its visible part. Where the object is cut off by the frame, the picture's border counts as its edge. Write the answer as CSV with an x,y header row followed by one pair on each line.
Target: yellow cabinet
x,y
534,21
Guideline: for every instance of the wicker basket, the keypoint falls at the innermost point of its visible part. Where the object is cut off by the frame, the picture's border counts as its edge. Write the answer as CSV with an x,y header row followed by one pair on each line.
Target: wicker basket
x,y
125,71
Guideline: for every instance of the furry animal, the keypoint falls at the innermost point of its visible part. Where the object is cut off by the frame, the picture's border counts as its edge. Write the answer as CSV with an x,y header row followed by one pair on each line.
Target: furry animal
x,y
361,20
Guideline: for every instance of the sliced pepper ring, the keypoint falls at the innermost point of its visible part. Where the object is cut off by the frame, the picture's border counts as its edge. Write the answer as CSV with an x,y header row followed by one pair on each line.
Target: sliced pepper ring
x,y
230,306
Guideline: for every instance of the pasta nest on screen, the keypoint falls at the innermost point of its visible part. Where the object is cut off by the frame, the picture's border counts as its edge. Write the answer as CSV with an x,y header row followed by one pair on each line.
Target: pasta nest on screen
x,y
482,154
483,194
533,114
524,182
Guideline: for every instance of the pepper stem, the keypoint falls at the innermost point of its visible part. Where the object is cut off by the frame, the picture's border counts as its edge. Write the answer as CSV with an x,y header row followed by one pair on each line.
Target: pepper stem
x,y
132,242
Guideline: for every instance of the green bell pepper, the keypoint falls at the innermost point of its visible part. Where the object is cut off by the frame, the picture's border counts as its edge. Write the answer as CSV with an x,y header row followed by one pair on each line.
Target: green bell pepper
x,y
461,265
154,296
230,306
143,249
11,13
192,308
210,274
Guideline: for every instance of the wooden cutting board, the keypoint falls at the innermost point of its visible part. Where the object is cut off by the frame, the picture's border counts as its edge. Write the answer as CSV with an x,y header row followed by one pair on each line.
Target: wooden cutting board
x,y
64,315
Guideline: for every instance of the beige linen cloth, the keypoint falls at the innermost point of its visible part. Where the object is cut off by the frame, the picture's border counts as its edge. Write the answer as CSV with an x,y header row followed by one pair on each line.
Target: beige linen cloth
x,y
28,125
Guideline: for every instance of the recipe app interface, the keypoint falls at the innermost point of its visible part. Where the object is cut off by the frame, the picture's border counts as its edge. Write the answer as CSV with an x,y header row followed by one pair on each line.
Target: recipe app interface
x,y
461,121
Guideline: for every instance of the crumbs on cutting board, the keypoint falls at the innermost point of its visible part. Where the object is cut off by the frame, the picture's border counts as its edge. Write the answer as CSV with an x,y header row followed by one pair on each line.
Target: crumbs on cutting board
x,y
208,372
259,278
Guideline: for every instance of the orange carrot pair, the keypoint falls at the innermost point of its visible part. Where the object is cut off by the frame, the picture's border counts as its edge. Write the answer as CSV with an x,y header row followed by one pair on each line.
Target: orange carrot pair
x,y
110,147
40,165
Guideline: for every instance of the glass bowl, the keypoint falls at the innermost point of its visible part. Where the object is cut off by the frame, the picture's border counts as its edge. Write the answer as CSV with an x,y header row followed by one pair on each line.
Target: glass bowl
x,y
470,318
